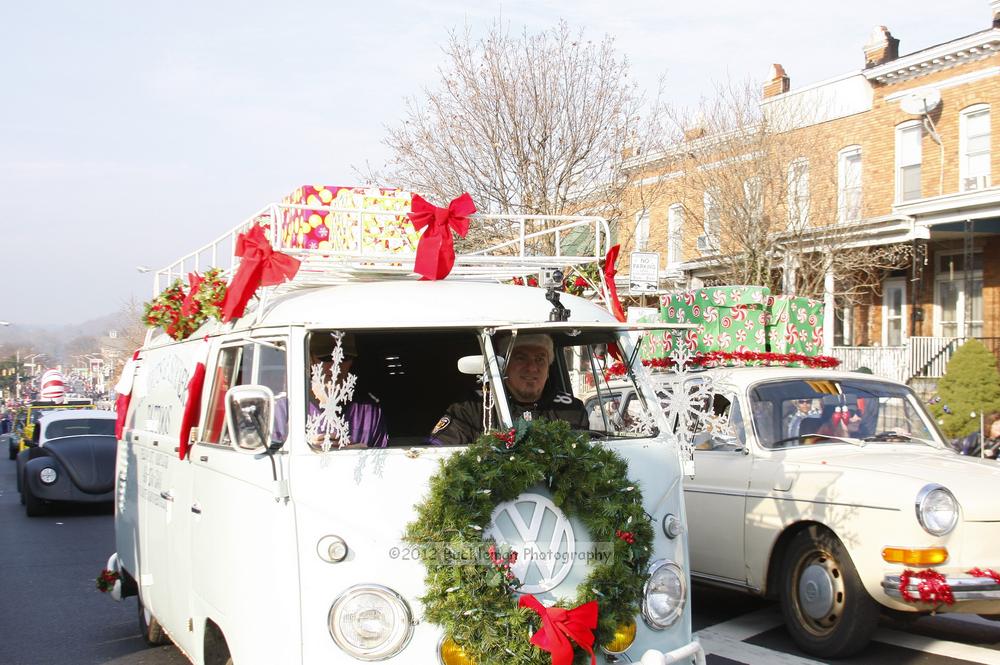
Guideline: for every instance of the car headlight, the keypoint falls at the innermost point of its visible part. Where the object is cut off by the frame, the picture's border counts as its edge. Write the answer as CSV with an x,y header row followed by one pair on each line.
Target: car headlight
x,y
48,475
664,594
937,510
370,622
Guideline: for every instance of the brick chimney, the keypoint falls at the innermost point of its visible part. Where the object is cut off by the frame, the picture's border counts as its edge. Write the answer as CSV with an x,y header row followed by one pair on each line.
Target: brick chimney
x,y
779,82
995,11
881,47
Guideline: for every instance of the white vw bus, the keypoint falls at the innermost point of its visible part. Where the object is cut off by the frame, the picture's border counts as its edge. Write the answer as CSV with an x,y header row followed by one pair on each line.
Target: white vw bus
x,y
276,550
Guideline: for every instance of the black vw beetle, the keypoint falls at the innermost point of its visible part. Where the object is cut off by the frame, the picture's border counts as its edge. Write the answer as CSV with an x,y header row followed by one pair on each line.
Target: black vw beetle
x,y
71,459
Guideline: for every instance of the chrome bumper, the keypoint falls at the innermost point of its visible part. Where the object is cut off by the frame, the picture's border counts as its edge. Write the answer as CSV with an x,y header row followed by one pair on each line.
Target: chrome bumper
x,y
962,588
682,654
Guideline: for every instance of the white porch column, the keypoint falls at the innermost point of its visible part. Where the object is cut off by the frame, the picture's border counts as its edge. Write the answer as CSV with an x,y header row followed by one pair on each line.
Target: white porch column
x,y
828,309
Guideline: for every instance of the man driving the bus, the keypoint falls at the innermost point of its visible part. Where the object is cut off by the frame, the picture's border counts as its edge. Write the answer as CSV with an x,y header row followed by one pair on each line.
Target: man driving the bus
x,y
526,383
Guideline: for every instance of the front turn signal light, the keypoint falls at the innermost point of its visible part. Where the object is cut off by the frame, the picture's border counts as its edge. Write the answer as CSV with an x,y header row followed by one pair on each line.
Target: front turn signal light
x,y
623,639
453,654
922,556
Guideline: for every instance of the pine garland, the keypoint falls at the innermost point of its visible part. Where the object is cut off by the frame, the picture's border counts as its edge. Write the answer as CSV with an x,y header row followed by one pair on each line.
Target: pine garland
x,y
166,310
475,603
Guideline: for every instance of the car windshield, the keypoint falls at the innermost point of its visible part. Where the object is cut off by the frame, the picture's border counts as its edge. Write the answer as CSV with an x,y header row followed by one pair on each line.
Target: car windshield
x,y
803,411
80,427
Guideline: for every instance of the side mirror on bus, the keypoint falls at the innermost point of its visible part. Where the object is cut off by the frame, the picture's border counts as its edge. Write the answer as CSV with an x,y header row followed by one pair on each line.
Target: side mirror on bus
x,y
476,365
250,417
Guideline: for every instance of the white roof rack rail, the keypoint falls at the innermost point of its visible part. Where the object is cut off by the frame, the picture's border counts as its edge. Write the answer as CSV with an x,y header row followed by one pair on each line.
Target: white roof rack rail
x,y
515,245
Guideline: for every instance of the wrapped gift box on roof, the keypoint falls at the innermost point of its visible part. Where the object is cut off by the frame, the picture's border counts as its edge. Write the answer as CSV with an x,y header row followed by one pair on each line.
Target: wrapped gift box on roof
x,y
727,318
795,325
341,229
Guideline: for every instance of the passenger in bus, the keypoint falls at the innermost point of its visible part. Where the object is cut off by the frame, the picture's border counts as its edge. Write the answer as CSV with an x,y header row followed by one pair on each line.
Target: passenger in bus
x,y
527,385
365,420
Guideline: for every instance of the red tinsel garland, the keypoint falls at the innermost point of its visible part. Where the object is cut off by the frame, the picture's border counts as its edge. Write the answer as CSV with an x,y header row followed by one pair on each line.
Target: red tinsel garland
x,y
735,358
933,588
989,572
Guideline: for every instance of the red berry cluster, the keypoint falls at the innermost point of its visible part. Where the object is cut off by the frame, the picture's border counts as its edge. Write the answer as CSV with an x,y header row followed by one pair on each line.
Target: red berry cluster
x,y
106,580
508,438
627,536
503,563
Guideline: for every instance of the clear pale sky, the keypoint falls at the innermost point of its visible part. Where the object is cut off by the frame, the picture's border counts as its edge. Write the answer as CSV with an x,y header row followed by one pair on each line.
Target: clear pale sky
x,y
133,132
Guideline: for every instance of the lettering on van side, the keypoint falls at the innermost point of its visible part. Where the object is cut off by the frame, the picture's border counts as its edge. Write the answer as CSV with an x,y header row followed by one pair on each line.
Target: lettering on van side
x,y
158,418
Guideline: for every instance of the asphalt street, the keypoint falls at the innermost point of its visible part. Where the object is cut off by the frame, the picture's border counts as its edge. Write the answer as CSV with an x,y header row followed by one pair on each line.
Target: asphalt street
x,y
52,614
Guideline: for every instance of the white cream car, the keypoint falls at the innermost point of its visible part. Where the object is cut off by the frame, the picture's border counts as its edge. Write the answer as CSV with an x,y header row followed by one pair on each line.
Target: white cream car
x,y
822,489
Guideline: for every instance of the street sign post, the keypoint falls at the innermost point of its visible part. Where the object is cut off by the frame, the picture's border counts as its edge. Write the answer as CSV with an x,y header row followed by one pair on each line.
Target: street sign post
x,y
644,272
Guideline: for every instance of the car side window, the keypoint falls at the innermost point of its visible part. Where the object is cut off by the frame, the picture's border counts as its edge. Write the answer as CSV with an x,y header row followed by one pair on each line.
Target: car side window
x,y
231,369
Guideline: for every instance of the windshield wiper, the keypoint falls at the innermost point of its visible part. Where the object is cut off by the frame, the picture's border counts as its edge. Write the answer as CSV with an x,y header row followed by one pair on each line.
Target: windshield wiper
x,y
896,436
802,437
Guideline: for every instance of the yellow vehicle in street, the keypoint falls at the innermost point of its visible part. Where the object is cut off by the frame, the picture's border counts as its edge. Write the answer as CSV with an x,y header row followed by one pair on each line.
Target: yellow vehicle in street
x,y
35,410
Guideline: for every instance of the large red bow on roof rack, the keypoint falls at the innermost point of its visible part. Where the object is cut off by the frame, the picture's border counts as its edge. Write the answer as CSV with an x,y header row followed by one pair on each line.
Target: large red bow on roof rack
x,y
436,249
560,625
609,281
261,266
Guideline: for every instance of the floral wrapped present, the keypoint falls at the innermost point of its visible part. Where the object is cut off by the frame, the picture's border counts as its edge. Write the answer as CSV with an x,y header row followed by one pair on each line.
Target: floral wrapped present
x,y
794,325
383,229
728,318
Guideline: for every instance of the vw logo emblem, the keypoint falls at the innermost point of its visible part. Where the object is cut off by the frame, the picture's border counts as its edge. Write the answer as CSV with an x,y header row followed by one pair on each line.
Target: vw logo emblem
x,y
541,535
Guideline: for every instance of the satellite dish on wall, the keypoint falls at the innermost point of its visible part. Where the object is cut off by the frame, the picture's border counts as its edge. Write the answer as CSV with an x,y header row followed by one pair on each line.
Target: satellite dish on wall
x,y
920,102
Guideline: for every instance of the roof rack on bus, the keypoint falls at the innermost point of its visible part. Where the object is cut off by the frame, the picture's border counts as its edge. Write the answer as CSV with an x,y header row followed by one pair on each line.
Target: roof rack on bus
x,y
377,242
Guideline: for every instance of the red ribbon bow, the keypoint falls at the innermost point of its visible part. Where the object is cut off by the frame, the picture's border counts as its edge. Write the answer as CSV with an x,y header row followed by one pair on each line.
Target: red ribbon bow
x,y
436,249
261,266
560,625
609,280
190,306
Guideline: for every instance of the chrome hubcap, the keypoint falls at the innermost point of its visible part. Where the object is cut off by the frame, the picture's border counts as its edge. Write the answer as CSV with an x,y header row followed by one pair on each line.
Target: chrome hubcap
x,y
816,591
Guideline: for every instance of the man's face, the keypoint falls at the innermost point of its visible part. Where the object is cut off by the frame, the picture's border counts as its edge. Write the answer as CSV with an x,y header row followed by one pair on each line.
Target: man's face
x,y
527,372
804,405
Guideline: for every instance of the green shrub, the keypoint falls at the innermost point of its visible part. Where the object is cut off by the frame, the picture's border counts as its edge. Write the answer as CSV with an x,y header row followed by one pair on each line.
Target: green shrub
x,y
970,384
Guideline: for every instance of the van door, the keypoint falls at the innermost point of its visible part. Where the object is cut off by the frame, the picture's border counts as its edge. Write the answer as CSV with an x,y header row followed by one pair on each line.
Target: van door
x,y
243,546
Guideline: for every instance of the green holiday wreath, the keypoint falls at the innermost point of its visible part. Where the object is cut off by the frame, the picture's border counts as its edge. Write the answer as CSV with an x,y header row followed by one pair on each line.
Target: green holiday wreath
x,y
475,603
180,311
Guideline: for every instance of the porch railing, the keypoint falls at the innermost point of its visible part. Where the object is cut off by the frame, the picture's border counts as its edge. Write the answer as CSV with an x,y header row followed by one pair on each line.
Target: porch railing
x,y
887,361
918,357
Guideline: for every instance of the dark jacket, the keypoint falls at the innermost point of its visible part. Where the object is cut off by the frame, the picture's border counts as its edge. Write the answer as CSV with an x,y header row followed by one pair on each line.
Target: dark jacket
x,y
462,422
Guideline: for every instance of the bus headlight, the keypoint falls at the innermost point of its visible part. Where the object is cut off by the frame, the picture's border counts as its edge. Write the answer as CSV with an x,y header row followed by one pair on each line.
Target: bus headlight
x,y
937,510
48,475
370,622
664,594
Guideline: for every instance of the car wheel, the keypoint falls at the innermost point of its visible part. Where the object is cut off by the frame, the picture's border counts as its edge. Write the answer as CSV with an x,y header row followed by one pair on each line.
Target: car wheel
x,y
150,628
33,506
826,608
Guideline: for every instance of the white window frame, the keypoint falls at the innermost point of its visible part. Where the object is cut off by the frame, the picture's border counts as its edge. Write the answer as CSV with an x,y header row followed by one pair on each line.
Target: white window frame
x,y
675,227
842,158
641,230
798,194
959,278
903,130
712,223
893,284
963,140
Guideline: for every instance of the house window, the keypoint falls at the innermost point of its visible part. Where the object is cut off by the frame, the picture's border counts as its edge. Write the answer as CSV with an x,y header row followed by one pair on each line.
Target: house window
x,y
798,193
908,157
954,294
849,184
974,130
675,224
641,230
713,216
843,325
893,312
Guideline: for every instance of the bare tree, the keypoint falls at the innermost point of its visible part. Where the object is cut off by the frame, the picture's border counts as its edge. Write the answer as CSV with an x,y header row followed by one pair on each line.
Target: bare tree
x,y
760,187
536,124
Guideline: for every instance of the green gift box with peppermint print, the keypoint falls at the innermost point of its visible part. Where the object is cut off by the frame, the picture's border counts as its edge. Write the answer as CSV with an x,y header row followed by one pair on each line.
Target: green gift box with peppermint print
x,y
727,318
794,325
